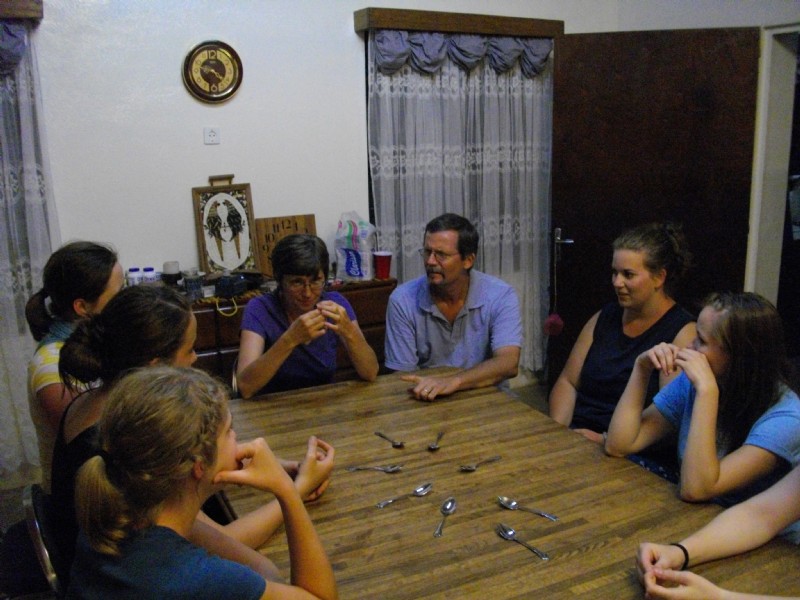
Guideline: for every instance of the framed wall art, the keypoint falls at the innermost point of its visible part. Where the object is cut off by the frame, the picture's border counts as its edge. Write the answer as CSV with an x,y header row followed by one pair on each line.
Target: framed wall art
x,y
273,229
223,213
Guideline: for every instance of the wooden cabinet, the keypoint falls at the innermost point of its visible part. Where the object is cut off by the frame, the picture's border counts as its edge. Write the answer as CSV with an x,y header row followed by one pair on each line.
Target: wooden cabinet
x,y
218,324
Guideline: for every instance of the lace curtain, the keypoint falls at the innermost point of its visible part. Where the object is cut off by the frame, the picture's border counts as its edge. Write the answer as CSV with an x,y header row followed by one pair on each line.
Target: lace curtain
x,y
463,124
26,221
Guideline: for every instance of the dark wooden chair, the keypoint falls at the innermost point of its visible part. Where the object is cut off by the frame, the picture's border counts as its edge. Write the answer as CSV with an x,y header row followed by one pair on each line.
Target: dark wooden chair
x,y
36,504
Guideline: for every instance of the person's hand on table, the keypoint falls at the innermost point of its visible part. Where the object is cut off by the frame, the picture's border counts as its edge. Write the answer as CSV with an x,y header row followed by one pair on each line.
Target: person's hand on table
x,y
428,388
590,435
314,474
667,584
657,556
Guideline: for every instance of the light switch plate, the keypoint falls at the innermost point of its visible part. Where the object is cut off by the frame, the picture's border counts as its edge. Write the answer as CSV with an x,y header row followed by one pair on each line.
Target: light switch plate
x,y
211,135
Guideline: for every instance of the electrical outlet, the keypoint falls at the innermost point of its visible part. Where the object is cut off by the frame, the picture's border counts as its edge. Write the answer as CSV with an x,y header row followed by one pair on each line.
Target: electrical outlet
x,y
211,135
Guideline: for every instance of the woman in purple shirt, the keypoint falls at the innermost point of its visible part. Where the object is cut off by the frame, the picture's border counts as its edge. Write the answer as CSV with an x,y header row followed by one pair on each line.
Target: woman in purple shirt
x,y
290,336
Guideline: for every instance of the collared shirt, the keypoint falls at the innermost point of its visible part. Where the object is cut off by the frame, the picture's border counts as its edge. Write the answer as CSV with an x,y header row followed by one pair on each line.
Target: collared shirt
x,y
419,336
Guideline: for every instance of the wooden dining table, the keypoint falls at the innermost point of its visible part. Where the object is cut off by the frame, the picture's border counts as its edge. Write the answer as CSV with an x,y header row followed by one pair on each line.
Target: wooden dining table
x,y
605,506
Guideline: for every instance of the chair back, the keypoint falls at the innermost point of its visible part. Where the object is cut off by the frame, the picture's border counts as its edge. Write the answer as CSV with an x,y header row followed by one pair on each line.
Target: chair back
x,y
234,381
219,508
36,504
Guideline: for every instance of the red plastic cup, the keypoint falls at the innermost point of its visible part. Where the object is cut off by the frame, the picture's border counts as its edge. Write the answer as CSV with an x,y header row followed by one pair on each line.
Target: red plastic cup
x,y
383,262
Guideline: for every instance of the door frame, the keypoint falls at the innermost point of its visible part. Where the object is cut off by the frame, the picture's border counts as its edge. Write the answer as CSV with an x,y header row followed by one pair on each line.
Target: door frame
x,y
774,106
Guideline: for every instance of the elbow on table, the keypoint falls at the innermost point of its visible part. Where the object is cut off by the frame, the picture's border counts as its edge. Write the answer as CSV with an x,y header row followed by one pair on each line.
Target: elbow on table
x,y
370,375
509,368
695,491
614,452
504,363
688,494
246,394
511,372
615,448
245,390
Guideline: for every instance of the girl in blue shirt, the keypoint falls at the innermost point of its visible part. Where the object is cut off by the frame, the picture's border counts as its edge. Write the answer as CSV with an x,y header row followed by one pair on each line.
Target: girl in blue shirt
x,y
736,418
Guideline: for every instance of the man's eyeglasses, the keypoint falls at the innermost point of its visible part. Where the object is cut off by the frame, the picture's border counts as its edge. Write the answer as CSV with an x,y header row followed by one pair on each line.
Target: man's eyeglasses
x,y
298,284
438,255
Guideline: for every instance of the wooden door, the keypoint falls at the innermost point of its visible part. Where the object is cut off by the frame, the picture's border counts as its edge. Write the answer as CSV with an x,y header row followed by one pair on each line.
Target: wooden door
x,y
648,126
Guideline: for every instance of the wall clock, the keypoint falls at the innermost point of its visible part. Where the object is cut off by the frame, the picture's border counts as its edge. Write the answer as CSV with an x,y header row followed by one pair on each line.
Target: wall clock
x,y
212,71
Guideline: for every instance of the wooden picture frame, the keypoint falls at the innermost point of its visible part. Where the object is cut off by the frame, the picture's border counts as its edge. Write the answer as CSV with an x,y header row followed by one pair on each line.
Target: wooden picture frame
x,y
223,213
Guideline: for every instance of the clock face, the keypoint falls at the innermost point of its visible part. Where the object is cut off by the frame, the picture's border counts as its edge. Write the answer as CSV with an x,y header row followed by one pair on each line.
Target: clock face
x,y
212,71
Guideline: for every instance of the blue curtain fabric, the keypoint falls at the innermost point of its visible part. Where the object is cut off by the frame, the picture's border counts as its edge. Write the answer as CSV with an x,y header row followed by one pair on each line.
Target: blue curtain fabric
x,y
427,52
13,41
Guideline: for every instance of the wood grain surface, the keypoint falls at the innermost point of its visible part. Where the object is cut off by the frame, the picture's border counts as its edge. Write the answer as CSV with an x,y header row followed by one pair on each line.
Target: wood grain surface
x,y
606,506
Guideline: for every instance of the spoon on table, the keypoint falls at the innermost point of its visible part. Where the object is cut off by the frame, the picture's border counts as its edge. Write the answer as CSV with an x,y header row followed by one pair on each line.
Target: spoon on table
x,y
448,508
434,446
419,491
474,466
507,533
512,504
395,444
383,469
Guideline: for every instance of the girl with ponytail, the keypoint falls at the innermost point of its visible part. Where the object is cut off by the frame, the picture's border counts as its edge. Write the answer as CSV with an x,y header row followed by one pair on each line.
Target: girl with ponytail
x,y
79,280
166,444
647,266
147,326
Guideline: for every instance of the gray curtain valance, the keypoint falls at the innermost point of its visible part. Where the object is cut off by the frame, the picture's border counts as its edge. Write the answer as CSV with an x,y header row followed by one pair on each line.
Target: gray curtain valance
x,y
12,45
426,52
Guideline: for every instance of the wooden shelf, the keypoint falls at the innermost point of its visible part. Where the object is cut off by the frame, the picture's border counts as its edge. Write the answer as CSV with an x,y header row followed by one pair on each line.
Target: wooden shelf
x,y
445,22
22,9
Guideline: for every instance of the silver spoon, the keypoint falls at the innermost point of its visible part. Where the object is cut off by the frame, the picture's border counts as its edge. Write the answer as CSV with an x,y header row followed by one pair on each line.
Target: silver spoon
x,y
511,504
395,444
448,508
420,491
507,533
383,469
474,466
434,446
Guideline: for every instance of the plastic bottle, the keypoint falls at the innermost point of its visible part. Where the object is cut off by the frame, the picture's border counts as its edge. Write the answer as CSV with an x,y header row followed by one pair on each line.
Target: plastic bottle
x,y
149,275
134,276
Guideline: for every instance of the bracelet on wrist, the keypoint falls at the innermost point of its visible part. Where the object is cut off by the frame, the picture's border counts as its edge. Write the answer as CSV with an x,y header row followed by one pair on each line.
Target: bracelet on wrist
x,y
685,555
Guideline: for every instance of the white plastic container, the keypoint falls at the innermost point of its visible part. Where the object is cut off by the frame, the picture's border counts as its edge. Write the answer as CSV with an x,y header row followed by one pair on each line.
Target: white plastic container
x,y
134,276
149,275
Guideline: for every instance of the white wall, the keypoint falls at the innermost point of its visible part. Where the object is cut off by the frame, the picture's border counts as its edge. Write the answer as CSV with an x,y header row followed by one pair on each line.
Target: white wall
x,y
125,138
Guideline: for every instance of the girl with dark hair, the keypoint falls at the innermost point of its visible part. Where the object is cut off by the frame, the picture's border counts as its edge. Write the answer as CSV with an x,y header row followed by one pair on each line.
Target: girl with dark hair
x,y
648,264
736,418
289,337
79,280
166,445
142,327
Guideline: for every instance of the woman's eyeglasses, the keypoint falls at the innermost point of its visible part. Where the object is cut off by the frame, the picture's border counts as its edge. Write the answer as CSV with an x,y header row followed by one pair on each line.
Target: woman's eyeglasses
x,y
438,255
298,284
